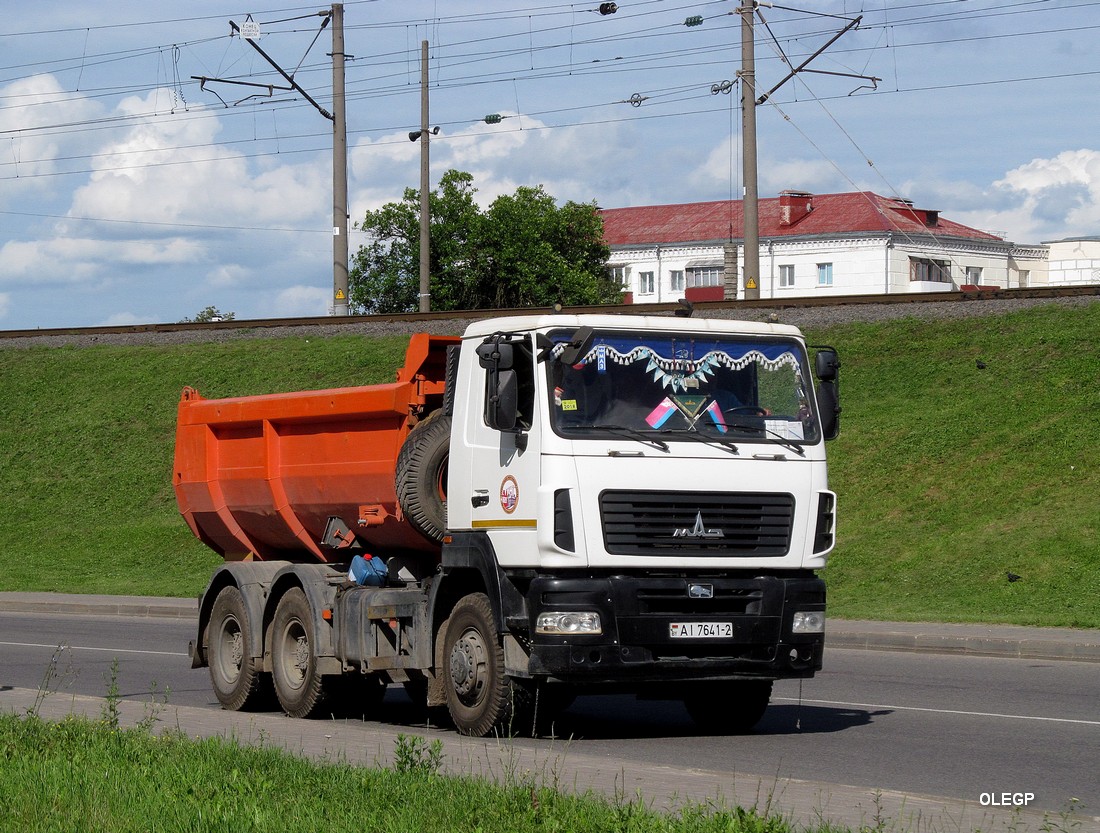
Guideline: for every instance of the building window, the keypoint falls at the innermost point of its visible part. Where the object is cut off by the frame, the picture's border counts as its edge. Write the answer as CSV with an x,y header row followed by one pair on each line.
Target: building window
x,y
676,280
645,283
621,275
705,276
824,274
1025,277
786,275
935,271
974,274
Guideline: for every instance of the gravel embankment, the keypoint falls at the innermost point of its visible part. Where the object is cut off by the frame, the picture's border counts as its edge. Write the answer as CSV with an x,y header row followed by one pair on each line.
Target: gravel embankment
x,y
805,317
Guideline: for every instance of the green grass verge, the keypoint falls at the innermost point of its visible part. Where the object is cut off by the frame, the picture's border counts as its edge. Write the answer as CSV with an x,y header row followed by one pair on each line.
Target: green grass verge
x,y
950,477
81,775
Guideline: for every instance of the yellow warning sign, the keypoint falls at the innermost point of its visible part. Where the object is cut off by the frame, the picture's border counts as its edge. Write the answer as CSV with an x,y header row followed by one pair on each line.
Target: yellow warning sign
x,y
339,295
750,283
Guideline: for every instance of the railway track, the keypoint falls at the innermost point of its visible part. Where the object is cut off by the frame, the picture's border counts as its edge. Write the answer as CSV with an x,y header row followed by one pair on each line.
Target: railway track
x,y
957,296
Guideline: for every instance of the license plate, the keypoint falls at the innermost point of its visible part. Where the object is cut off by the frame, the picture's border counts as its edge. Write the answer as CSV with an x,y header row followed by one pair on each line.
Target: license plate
x,y
700,630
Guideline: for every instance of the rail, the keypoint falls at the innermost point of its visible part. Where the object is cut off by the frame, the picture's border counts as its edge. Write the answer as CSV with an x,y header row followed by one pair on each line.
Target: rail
x,y
975,296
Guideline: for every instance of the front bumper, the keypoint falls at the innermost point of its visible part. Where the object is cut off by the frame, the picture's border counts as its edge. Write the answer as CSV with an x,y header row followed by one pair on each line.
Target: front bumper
x,y
636,612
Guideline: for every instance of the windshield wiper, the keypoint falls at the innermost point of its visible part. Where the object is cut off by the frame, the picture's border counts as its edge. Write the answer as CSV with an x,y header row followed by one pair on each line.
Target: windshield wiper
x,y
629,433
701,438
775,436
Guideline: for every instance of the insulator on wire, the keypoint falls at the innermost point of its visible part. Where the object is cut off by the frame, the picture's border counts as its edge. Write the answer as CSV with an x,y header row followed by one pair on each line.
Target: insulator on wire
x,y
694,20
493,118
608,8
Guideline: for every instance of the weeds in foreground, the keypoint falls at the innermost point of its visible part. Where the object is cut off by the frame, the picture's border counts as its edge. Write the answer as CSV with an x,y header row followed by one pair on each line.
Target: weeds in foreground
x,y
52,678
415,756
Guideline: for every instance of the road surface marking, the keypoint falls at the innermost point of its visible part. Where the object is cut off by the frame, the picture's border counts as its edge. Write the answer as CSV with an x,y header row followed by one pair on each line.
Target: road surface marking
x,y
88,648
804,701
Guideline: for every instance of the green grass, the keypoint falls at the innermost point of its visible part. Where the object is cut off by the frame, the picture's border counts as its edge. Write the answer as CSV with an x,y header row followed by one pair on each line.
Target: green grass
x,y
86,442
81,775
949,477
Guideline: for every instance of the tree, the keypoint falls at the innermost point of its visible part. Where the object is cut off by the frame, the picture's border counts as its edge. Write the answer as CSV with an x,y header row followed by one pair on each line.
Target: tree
x,y
208,315
524,250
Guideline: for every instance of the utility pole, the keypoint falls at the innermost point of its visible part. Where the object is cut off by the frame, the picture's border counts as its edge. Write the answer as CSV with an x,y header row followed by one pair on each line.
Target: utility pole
x,y
749,101
339,168
751,203
425,219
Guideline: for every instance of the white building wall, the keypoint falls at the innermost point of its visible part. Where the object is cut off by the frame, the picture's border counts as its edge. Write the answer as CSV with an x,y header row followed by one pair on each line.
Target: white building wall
x,y
857,267
864,266
1074,262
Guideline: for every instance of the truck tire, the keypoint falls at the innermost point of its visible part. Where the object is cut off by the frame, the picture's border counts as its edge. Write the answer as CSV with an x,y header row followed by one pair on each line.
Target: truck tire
x,y
729,708
421,477
480,698
301,690
236,682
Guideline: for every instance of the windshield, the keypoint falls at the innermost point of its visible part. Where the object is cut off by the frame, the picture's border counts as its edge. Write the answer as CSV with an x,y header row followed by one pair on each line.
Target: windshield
x,y
749,388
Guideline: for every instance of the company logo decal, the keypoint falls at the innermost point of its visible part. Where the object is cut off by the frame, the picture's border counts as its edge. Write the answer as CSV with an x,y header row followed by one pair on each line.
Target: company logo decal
x,y
699,530
509,494
700,591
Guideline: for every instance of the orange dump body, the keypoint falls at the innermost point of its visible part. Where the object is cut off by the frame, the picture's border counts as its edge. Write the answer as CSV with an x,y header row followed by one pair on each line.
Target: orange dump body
x,y
260,476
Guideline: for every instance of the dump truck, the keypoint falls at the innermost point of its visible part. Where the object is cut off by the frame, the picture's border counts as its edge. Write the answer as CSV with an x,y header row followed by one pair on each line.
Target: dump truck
x,y
547,506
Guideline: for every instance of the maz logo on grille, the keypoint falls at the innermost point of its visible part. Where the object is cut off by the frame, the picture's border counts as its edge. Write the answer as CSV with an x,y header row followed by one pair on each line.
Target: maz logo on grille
x,y
699,530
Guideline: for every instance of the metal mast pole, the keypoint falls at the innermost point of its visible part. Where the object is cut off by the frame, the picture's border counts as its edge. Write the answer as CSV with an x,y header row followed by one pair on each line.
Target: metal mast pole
x,y
750,205
425,228
339,168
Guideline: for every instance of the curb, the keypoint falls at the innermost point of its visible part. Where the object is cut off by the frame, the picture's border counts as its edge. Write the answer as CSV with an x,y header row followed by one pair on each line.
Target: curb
x,y
1009,641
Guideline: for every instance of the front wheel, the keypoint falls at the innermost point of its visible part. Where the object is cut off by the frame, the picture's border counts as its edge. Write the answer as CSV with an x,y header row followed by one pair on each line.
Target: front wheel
x,y
480,698
301,690
729,708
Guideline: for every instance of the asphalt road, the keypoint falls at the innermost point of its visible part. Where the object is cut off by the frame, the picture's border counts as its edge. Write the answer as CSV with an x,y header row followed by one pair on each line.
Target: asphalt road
x,y
914,723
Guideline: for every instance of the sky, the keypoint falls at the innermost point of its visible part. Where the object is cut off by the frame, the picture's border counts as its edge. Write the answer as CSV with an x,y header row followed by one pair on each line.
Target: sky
x,y
132,193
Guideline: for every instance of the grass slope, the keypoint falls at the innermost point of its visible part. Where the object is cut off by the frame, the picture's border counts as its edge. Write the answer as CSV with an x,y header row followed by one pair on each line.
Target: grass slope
x,y
86,443
950,477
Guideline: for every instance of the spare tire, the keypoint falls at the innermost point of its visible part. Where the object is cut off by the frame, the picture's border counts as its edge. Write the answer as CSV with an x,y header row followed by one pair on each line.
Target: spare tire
x,y
421,478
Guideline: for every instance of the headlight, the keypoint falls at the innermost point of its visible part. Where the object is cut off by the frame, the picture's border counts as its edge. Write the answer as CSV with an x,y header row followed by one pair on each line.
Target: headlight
x,y
585,621
808,621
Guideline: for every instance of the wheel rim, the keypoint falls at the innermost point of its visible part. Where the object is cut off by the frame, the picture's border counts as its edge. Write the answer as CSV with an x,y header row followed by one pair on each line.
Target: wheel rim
x,y
294,655
469,666
230,653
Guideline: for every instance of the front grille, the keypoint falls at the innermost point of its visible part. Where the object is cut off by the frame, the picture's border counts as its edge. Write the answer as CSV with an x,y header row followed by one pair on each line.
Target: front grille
x,y
733,524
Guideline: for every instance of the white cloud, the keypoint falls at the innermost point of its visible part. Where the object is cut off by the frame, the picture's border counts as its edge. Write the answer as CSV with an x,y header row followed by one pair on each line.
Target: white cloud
x,y
66,260
36,102
299,301
124,319
1044,199
228,275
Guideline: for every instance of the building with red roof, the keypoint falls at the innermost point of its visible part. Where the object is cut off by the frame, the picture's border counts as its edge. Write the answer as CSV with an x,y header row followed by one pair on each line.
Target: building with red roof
x,y
810,244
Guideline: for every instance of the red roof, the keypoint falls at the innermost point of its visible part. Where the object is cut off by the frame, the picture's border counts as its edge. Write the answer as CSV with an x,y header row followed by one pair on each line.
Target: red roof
x,y
828,214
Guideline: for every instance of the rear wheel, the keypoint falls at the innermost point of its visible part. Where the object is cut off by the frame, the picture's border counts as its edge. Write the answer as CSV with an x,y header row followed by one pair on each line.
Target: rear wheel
x,y
236,682
729,708
301,690
480,698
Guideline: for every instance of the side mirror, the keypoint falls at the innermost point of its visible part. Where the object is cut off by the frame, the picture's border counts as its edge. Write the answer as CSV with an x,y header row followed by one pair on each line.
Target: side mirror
x,y
828,406
826,364
502,405
827,368
497,356
578,346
